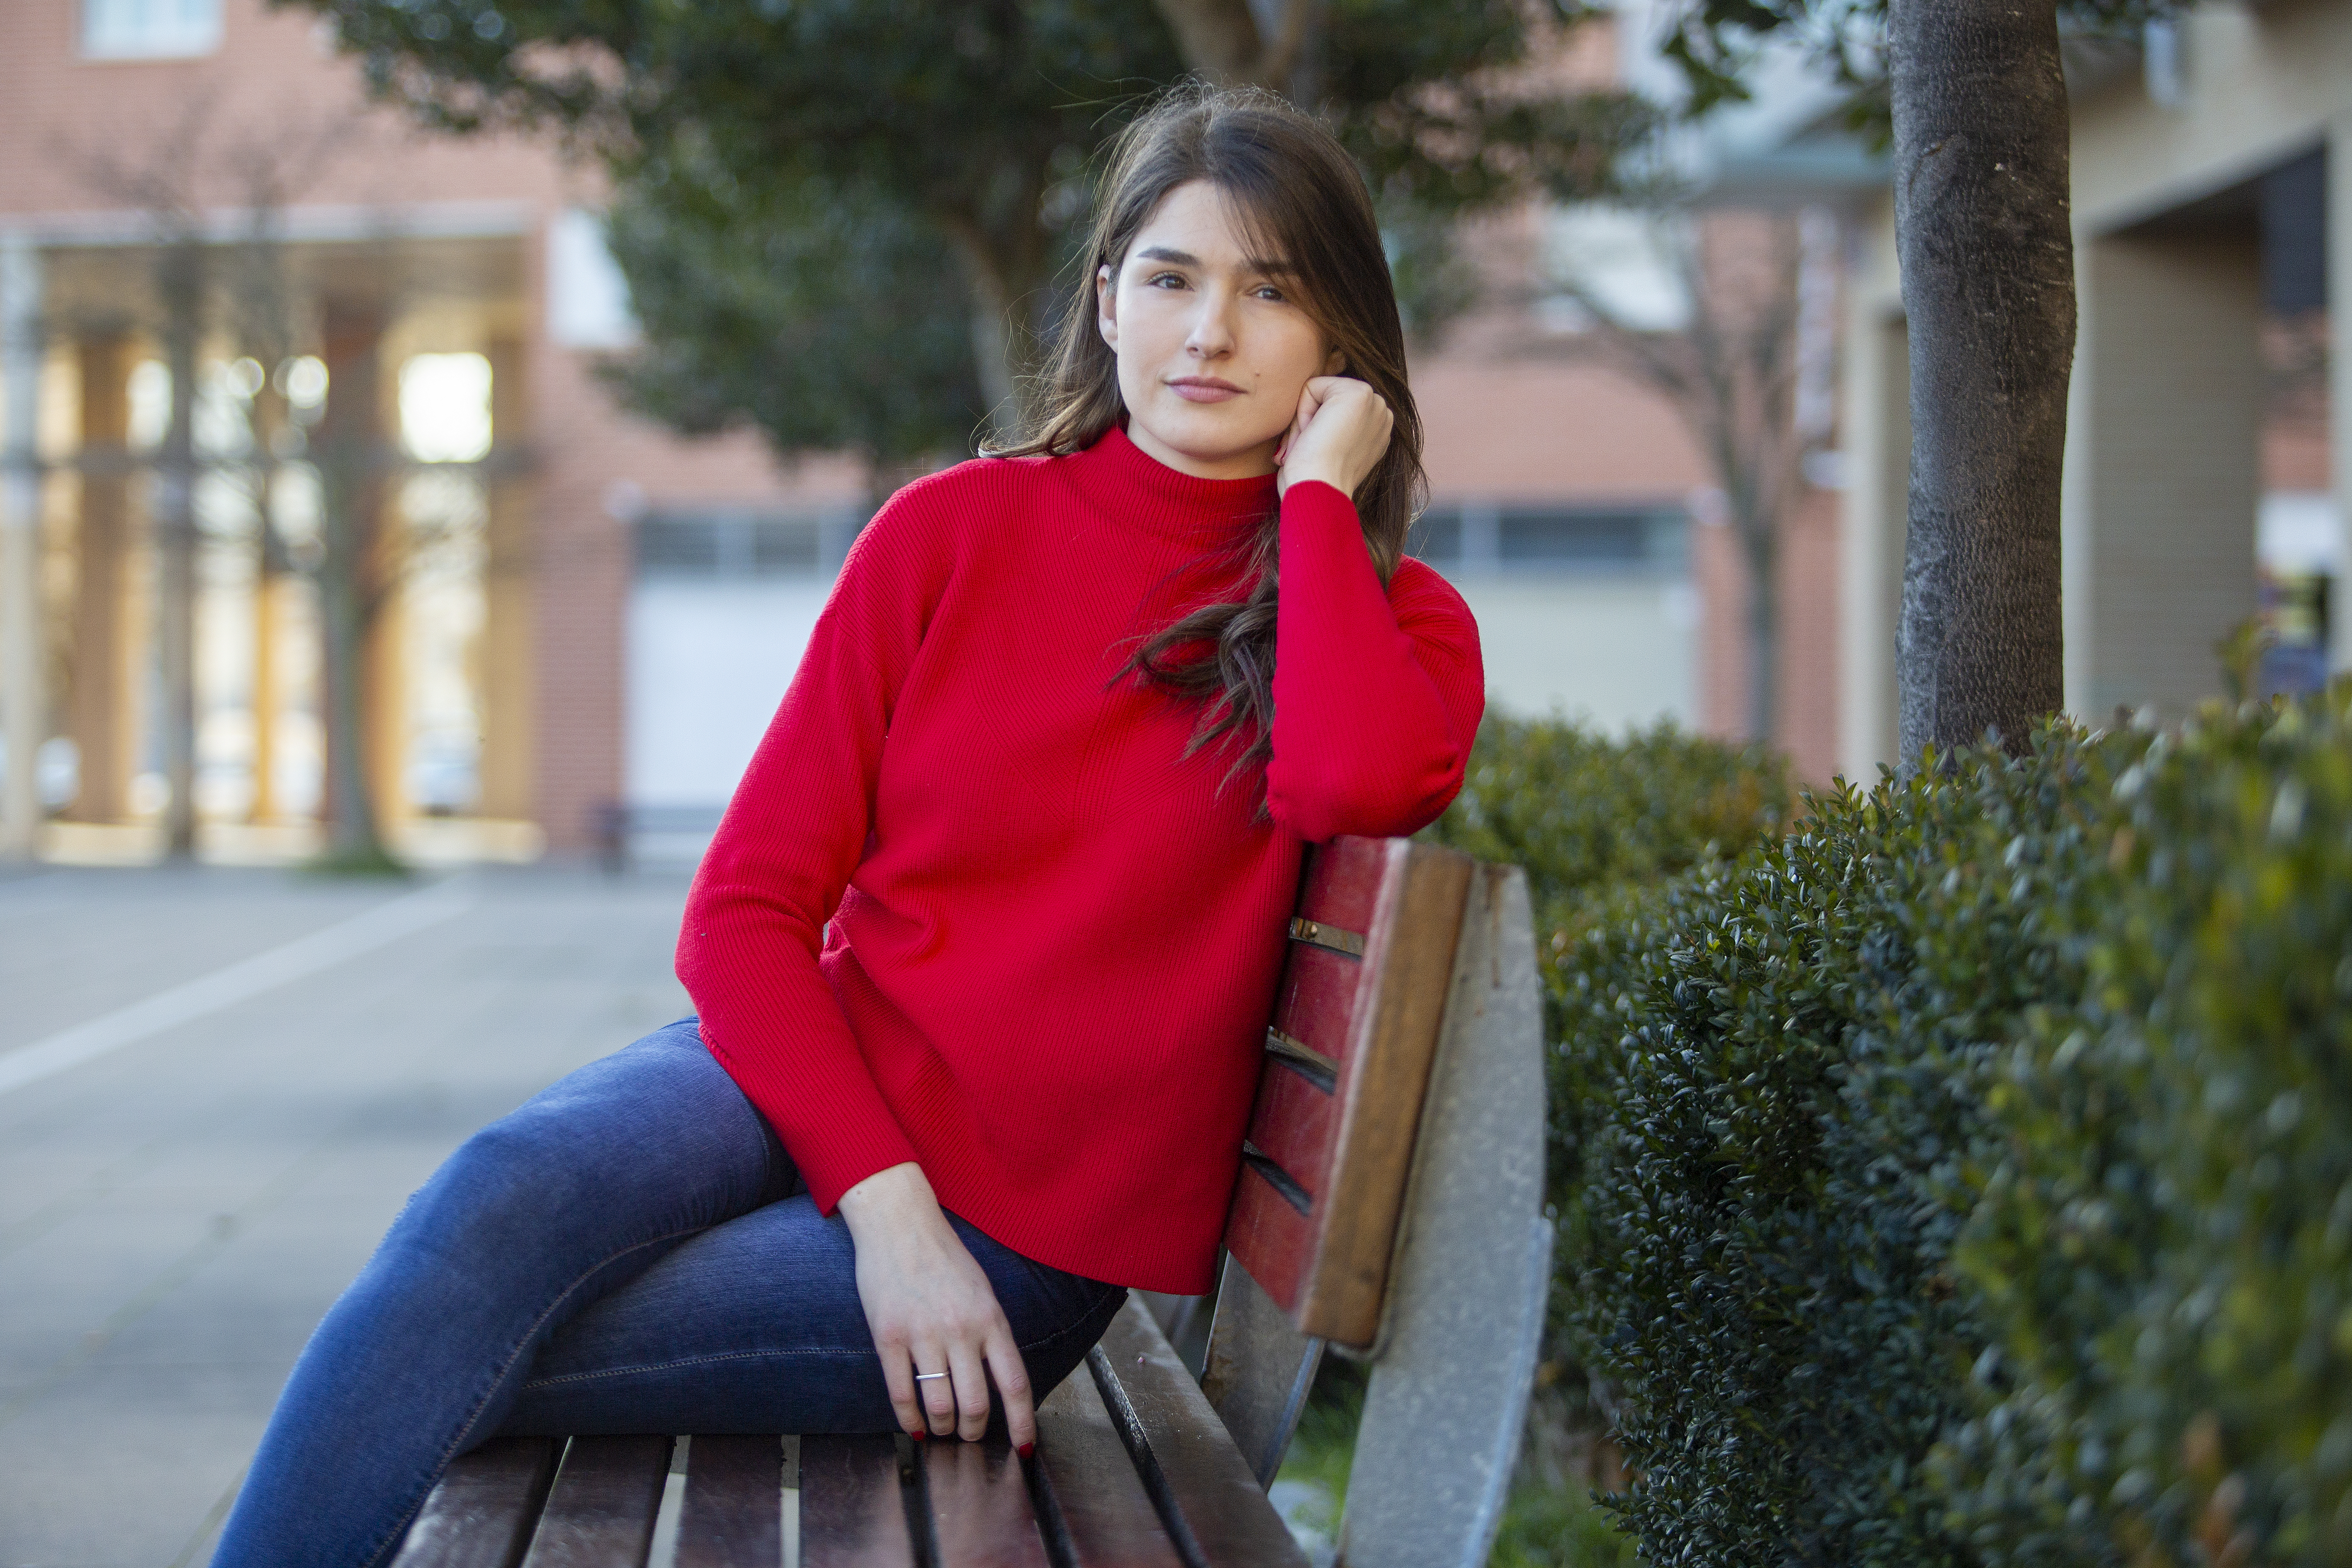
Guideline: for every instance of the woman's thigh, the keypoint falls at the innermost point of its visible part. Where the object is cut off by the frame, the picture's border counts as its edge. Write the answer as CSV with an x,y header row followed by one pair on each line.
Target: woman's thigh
x,y
534,1216
628,1154
756,1326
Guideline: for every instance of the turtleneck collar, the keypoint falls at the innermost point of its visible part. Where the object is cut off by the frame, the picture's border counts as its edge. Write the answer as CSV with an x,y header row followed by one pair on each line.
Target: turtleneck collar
x,y
1139,489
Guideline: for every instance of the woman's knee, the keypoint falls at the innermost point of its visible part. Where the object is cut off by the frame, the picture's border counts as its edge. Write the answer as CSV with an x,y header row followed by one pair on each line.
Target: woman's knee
x,y
636,1146
500,1185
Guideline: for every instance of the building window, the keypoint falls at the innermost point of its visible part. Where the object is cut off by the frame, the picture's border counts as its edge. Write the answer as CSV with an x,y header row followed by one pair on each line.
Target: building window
x,y
721,545
1473,538
149,29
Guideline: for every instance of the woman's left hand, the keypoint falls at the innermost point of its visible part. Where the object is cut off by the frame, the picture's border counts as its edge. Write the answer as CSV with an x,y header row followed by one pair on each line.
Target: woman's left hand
x,y
1341,430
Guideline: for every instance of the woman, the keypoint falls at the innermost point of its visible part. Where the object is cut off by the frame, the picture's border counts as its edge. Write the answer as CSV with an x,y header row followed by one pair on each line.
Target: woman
x,y
985,944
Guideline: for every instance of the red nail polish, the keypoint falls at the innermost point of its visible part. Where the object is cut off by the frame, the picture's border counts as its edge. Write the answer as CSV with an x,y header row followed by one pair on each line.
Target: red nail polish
x,y
1028,1448
920,1434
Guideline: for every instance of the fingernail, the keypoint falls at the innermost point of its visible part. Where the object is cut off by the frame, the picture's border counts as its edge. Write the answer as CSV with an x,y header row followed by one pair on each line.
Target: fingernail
x,y
1028,1448
920,1434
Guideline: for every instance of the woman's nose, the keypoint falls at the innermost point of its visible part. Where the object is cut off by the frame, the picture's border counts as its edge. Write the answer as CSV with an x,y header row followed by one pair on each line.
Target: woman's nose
x,y
1213,331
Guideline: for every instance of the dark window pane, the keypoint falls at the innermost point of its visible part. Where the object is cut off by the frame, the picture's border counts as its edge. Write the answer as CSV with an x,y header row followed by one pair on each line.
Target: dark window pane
x,y
1572,538
784,546
729,546
676,544
1436,536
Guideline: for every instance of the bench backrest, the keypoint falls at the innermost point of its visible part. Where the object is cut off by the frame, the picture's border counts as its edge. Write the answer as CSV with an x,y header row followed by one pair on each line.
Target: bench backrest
x,y
1355,1026
1391,1196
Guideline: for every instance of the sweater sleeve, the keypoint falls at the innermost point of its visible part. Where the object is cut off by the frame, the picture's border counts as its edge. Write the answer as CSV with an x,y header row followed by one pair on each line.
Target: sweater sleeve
x,y
1377,694
792,835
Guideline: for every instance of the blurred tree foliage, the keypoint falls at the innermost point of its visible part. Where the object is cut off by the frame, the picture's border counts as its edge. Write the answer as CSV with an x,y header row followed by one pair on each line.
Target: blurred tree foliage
x,y
1717,44
794,176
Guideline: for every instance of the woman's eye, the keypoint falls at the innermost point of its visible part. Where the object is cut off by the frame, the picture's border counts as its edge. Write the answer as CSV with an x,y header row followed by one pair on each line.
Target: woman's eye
x,y
1268,292
1165,281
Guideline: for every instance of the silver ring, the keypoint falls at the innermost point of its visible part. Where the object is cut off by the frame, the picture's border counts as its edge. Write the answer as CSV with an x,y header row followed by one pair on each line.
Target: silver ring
x,y
926,1376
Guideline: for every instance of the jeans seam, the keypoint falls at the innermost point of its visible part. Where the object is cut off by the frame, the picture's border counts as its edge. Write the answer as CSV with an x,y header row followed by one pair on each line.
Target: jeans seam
x,y
440,1466
572,1377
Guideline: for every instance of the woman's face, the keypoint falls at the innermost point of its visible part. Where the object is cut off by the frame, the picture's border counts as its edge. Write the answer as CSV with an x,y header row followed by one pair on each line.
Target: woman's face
x,y
1213,350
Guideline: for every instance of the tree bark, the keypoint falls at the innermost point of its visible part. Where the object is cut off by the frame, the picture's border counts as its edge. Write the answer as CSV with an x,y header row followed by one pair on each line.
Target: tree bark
x,y
180,284
1760,555
346,444
1007,265
1221,39
1983,232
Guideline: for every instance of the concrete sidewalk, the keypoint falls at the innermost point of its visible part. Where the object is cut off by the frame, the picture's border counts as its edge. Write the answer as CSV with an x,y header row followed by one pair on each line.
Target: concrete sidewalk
x,y
177,1212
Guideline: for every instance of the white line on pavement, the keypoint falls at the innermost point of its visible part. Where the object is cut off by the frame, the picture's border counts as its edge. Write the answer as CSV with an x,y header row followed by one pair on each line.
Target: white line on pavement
x,y
306,955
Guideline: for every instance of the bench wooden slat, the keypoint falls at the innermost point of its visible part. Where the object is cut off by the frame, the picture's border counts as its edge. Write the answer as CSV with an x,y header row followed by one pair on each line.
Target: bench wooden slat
x,y
1341,883
734,1514
600,1512
1181,1449
481,1513
1317,998
980,1513
1344,1157
853,1505
1300,1123
1105,1516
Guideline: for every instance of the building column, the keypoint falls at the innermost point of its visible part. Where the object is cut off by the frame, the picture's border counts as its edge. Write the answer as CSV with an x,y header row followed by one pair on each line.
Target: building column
x,y
103,706
508,673
1877,442
2339,380
24,717
384,690
2163,465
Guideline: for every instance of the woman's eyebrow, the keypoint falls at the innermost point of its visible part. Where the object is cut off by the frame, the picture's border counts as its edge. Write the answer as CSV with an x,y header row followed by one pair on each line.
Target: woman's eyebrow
x,y
1186,259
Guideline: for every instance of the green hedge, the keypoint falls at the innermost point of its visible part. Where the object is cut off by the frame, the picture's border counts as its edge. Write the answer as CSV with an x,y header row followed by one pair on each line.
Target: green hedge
x,y
1594,820
1779,1058
1963,1174
2165,1249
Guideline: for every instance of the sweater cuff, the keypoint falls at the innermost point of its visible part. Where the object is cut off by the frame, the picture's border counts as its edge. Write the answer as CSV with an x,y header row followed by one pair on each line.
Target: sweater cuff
x,y
1326,503
843,1169
835,1158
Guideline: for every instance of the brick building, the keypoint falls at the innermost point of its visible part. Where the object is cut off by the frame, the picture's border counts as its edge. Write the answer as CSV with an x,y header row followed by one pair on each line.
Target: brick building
x,y
596,610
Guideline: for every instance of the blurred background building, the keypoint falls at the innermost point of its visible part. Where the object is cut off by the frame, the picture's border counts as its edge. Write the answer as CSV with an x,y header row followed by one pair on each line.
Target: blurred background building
x,y
220,267
2212,211
201,178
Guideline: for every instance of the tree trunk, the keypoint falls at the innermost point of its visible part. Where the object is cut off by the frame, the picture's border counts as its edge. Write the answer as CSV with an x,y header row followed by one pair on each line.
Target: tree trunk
x,y
1983,234
182,285
1007,265
1222,40
352,839
347,446
1761,558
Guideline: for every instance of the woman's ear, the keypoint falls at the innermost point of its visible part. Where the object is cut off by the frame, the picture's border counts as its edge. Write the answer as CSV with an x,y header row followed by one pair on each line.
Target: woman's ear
x,y
1106,307
1335,363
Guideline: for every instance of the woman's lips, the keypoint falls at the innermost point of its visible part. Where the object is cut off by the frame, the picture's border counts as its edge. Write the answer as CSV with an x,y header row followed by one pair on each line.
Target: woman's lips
x,y
1203,389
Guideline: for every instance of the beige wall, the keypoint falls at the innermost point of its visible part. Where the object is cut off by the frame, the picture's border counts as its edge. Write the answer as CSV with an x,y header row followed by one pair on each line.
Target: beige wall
x,y
2164,436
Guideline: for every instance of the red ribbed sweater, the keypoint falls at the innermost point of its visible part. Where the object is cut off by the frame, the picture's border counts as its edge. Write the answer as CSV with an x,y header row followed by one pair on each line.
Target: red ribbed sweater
x,y
972,906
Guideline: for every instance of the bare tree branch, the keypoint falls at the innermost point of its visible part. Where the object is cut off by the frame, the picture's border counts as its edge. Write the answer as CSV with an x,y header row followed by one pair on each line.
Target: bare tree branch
x,y
1222,40
1729,371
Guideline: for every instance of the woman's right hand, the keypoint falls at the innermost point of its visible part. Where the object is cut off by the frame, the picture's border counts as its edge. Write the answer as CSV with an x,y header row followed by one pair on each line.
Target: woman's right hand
x,y
930,1308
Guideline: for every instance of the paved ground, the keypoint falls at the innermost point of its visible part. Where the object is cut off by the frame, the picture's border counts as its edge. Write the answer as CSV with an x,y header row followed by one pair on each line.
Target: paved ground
x,y
177,1212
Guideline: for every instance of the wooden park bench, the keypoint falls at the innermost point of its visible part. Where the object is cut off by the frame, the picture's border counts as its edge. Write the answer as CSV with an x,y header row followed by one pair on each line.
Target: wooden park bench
x,y
1390,1205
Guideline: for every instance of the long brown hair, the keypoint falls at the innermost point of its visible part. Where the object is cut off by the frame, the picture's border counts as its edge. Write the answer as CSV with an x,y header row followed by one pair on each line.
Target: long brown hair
x,y
1295,190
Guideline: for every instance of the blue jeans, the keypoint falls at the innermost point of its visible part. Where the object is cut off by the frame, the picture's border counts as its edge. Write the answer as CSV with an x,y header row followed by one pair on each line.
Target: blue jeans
x,y
632,1251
